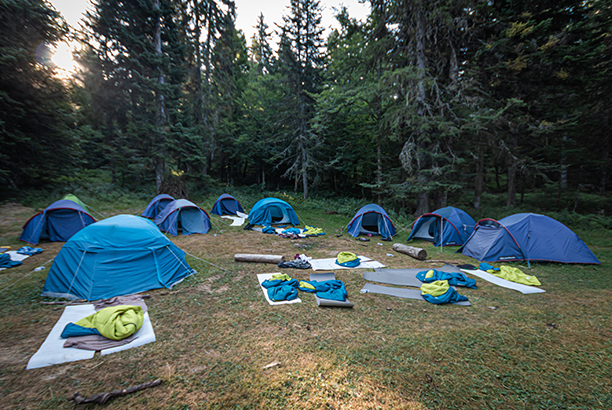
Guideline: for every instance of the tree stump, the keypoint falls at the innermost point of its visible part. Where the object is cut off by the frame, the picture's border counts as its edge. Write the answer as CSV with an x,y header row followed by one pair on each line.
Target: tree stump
x,y
417,253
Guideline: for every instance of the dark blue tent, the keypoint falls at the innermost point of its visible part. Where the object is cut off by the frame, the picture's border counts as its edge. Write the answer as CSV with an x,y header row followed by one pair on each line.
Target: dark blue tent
x,y
371,219
121,255
157,205
270,211
526,237
58,222
226,205
183,214
444,227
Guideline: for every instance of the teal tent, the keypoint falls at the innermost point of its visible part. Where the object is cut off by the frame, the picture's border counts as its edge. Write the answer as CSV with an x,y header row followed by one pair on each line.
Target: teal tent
x,y
269,211
121,255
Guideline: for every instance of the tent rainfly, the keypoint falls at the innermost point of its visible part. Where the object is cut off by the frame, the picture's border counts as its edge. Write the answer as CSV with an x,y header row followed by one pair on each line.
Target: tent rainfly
x,y
184,215
444,227
75,199
226,205
157,205
526,237
121,255
371,219
58,222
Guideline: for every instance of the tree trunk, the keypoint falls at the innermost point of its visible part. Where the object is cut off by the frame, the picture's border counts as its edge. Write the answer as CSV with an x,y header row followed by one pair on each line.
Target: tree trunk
x,y
479,178
423,197
605,160
422,203
379,170
197,72
161,108
511,182
305,172
206,96
441,199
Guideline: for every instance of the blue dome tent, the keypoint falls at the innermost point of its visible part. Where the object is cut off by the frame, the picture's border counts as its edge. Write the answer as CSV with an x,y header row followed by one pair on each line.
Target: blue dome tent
x,y
58,222
270,211
185,215
444,227
226,205
526,237
121,255
157,205
371,219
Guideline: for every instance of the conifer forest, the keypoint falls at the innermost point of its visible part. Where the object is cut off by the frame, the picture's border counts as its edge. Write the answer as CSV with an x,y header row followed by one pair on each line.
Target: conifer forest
x,y
421,102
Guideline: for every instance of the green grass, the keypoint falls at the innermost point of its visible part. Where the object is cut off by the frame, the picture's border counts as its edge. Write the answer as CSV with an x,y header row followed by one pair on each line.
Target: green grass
x,y
215,332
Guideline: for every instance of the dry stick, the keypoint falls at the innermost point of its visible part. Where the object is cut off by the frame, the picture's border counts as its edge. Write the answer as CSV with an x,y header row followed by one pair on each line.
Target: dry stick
x,y
102,398
358,243
76,302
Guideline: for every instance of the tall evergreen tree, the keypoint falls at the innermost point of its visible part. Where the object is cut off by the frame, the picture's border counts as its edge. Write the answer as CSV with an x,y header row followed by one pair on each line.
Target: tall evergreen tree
x,y
300,62
141,61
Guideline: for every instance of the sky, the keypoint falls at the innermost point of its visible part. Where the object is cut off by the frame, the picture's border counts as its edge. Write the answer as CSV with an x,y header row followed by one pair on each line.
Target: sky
x,y
247,10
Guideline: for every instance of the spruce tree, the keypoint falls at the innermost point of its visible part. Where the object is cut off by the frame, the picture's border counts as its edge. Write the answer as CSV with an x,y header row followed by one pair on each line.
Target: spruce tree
x,y
300,63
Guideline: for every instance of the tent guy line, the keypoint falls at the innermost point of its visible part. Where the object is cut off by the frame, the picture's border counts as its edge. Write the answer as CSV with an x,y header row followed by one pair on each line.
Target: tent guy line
x,y
25,276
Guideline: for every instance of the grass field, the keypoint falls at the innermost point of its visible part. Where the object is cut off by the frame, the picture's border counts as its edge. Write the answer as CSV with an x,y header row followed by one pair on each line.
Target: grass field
x,y
216,333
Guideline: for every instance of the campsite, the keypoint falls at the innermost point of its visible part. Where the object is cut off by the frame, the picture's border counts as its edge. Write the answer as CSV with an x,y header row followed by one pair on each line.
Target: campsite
x,y
305,204
215,333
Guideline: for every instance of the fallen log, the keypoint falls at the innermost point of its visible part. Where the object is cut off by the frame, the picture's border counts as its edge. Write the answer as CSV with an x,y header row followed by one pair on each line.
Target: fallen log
x,y
417,253
246,257
102,398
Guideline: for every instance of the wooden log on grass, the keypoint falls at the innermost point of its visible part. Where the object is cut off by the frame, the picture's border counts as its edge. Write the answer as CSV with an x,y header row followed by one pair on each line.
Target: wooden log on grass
x,y
417,253
246,257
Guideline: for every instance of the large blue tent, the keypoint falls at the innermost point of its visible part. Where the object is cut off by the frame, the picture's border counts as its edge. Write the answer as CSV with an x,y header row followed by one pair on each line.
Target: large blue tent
x,y
58,222
444,227
526,237
226,205
185,215
157,205
121,255
269,211
371,219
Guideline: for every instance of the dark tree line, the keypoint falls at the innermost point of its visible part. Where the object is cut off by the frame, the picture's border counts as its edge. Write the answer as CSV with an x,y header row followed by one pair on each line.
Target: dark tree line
x,y
425,98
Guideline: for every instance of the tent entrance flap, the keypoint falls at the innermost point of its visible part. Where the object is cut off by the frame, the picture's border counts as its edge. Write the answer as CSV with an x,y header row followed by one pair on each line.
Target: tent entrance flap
x,y
191,221
427,229
370,223
229,206
277,215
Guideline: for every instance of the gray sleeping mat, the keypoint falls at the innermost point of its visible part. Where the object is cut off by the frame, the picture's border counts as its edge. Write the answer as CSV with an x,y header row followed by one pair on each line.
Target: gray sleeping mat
x,y
400,293
403,277
320,277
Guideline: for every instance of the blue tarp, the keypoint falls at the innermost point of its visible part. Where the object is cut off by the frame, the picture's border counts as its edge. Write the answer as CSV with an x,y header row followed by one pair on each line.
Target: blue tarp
x,y
191,217
226,205
157,205
269,211
58,222
526,237
121,255
444,227
371,219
